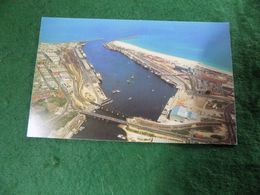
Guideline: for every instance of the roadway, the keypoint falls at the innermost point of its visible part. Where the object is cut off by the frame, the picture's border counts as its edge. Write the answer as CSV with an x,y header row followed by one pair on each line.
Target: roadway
x,y
108,118
87,77
158,131
185,138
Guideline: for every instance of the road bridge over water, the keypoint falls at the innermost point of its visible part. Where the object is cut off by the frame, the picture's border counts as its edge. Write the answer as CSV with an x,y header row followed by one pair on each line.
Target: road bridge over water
x,y
103,117
186,138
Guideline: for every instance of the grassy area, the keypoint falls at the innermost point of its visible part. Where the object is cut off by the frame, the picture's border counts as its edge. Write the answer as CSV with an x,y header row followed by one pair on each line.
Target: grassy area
x,y
219,137
57,101
183,132
40,102
206,129
140,131
66,118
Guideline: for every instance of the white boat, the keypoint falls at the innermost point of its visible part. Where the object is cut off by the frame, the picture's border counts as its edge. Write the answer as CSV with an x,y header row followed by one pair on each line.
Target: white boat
x,y
130,98
132,77
99,76
121,136
116,91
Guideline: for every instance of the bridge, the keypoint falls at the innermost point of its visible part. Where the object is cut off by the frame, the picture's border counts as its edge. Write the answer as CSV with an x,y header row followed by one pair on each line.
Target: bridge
x,y
103,117
187,138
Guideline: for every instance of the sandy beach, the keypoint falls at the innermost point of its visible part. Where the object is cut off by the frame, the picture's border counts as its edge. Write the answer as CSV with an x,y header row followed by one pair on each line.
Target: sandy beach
x,y
173,59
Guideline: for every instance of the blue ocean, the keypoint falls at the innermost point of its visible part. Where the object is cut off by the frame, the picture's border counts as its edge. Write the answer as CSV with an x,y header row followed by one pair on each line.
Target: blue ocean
x,y
206,42
213,53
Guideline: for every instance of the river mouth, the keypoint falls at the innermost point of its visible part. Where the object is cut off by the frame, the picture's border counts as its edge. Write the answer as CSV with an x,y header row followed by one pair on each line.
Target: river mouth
x,y
135,91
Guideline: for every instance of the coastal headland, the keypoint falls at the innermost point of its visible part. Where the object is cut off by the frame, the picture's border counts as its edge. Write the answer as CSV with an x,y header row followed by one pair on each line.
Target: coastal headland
x,y
202,110
65,84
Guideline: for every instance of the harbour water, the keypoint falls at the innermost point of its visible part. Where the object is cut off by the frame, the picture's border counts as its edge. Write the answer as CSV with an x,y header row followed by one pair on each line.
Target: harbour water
x,y
134,90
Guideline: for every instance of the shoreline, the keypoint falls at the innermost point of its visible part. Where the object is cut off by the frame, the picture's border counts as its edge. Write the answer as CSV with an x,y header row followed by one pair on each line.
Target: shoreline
x,y
191,63
78,81
134,136
199,90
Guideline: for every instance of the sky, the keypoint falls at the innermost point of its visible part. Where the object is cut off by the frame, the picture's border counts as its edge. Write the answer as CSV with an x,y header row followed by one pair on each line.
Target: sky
x,y
207,42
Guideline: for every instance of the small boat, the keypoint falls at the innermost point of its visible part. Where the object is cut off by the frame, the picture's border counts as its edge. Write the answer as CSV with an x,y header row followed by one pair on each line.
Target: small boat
x,y
121,136
128,81
116,91
153,90
130,98
132,77
99,76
